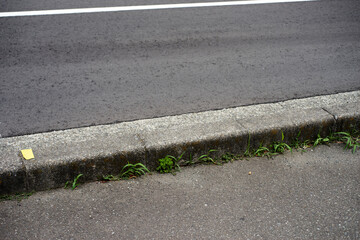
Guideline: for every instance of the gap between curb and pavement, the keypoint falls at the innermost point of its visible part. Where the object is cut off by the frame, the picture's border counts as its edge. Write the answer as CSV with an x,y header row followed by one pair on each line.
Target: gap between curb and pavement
x,y
101,150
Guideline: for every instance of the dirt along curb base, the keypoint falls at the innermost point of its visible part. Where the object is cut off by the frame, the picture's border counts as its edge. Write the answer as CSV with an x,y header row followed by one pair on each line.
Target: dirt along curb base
x,y
101,150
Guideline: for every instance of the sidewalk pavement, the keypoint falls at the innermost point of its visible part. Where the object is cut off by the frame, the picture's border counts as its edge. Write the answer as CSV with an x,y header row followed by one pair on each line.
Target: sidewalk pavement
x,y
101,150
310,195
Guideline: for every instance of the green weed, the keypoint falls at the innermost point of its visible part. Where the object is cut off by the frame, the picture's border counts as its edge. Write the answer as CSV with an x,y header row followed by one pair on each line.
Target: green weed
x,y
280,147
111,178
74,183
262,151
247,152
350,141
169,164
320,140
305,144
18,196
206,158
128,171
190,161
133,170
229,157
296,143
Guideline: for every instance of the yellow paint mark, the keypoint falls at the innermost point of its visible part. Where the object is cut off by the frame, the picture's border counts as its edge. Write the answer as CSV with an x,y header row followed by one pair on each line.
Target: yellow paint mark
x,y
27,154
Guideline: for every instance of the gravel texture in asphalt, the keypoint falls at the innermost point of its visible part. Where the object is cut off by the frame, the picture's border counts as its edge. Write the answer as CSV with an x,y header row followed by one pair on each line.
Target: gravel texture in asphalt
x,y
68,71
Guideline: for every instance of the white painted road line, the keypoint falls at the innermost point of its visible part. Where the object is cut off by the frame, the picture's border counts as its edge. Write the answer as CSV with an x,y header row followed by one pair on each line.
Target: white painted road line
x,y
143,7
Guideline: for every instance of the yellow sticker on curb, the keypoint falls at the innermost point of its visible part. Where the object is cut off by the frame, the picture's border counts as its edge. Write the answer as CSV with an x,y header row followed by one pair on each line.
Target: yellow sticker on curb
x,y
27,154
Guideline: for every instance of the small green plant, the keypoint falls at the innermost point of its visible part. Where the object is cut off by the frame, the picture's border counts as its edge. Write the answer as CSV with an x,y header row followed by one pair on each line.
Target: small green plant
x,y
262,151
110,178
190,161
169,164
351,141
247,152
206,158
133,170
229,157
305,144
297,144
320,140
280,147
74,183
18,196
127,172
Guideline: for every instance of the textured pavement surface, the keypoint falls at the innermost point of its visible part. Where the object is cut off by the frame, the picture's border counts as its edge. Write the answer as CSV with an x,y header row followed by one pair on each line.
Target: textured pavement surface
x,y
311,195
61,72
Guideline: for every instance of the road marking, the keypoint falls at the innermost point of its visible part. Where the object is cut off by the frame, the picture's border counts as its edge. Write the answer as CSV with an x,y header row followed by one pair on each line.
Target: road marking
x,y
143,7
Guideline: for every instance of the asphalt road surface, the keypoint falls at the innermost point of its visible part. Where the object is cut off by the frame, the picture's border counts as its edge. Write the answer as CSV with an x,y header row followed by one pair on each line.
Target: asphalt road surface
x,y
66,71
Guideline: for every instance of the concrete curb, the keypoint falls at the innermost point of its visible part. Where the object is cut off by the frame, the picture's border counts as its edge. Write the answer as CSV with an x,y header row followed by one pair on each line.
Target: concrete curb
x,y
102,150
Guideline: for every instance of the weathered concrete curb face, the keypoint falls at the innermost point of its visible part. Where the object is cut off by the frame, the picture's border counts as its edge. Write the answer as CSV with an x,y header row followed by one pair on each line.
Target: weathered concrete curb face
x,y
101,150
